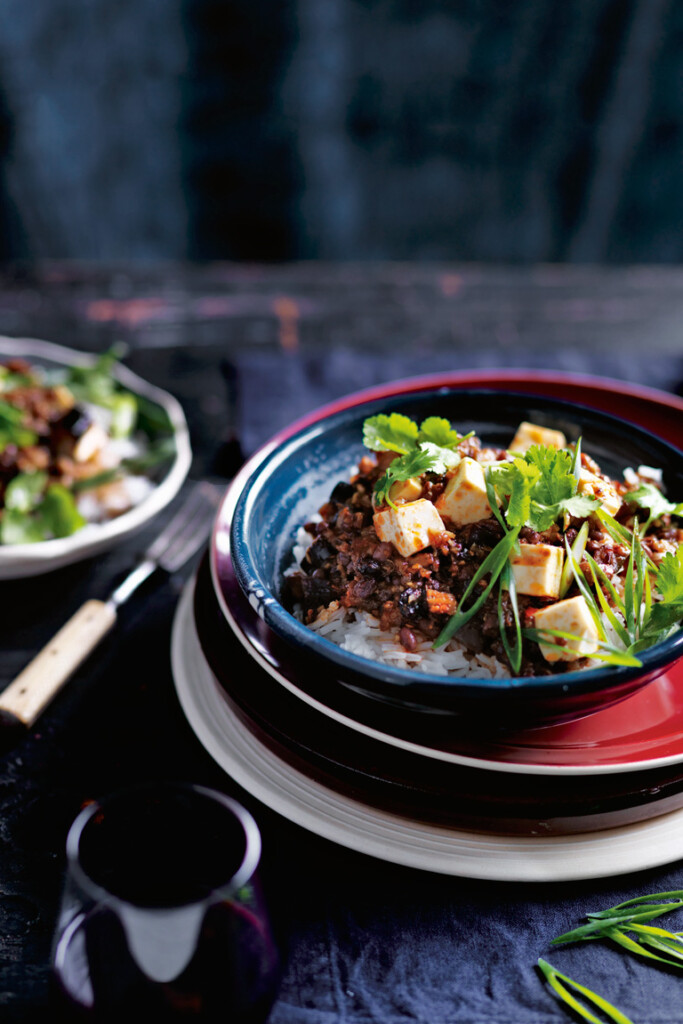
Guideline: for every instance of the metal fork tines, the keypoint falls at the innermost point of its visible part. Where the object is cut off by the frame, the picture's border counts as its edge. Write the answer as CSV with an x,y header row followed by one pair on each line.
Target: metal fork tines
x,y
187,531
177,542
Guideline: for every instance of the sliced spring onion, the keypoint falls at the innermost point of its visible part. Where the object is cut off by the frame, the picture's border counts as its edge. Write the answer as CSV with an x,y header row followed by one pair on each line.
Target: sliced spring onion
x,y
576,463
513,651
586,592
607,652
491,495
493,564
577,549
561,984
601,577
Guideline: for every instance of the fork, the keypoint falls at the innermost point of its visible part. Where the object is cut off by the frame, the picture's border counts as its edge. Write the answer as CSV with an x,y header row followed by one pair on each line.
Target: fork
x,y
32,690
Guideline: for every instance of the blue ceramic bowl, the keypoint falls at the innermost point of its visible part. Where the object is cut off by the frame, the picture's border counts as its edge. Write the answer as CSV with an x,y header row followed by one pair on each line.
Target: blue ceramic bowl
x,y
296,477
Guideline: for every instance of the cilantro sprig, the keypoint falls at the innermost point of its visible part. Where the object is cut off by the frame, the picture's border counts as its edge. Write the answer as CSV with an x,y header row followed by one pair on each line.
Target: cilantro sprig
x,y
536,488
430,447
649,497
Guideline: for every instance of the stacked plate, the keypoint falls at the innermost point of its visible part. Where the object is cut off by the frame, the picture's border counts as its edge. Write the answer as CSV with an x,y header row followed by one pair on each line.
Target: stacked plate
x,y
596,795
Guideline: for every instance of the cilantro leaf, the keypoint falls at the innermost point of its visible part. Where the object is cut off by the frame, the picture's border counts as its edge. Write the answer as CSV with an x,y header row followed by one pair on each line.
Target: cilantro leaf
x,y
670,576
580,506
668,611
392,433
428,458
650,497
541,517
442,459
515,480
555,482
439,431
663,617
540,486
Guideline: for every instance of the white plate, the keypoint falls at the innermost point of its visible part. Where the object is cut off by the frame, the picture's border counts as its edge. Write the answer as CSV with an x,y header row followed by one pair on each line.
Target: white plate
x,y
33,559
387,836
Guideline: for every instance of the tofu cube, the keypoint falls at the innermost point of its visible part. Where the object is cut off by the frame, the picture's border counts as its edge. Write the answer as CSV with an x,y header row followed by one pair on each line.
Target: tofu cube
x,y
537,570
464,498
595,487
410,527
570,616
406,490
529,434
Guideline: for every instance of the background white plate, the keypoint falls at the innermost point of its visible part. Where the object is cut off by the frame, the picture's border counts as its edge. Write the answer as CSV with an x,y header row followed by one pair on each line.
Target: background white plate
x,y
32,559
386,836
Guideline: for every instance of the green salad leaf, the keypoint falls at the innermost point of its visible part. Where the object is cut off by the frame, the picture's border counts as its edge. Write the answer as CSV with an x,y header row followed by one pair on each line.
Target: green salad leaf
x,y
25,491
96,384
12,430
159,452
10,379
18,528
35,512
59,513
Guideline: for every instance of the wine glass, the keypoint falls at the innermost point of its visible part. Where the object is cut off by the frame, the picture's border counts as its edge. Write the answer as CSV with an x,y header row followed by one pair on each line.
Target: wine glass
x,y
162,910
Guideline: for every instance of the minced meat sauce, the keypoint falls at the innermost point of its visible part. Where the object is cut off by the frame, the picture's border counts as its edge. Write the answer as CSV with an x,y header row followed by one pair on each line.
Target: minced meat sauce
x,y
415,596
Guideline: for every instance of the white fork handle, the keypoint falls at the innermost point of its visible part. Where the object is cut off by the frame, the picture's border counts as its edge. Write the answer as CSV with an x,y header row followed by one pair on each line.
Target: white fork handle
x,y
35,686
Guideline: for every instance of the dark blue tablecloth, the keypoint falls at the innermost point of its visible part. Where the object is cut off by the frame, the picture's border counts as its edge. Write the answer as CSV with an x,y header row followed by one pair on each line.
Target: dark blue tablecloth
x,y
366,942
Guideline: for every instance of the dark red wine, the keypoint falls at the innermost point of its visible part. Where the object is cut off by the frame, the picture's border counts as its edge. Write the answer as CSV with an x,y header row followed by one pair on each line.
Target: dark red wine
x,y
232,976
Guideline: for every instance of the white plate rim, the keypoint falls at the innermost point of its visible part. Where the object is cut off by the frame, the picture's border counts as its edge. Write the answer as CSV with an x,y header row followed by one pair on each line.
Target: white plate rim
x,y
31,559
381,834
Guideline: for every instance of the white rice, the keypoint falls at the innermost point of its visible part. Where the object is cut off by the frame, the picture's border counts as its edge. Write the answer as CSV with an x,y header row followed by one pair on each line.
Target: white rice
x,y
359,633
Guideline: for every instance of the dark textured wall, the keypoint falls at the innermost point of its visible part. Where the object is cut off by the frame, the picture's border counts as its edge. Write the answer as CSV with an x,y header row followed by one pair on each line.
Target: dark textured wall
x,y
470,129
